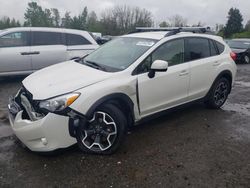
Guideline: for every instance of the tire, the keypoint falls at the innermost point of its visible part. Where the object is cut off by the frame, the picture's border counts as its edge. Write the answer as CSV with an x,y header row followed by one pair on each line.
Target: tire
x,y
246,59
218,94
104,133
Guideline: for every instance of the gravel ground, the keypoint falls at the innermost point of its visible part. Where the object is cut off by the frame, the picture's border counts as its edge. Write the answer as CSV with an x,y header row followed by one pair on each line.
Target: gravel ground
x,y
189,147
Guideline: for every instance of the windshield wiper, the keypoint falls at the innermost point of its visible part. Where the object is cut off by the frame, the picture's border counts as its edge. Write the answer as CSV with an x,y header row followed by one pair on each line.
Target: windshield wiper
x,y
94,65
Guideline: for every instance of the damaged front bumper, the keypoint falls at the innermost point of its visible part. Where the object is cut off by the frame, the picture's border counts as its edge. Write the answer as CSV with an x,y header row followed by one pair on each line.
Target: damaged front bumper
x,y
39,132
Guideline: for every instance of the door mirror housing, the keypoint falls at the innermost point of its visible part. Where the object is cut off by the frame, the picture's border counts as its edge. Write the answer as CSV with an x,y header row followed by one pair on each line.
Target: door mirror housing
x,y
158,66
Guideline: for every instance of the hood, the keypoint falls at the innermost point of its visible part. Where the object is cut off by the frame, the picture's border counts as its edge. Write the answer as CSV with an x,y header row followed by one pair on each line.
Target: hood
x,y
237,51
62,78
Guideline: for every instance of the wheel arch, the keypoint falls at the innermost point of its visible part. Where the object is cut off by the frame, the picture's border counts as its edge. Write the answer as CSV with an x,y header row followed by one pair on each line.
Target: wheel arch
x,y
227,74
120,100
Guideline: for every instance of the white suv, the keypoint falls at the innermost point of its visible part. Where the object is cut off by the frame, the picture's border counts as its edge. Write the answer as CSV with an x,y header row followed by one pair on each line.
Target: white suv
x,y
24,50
92,102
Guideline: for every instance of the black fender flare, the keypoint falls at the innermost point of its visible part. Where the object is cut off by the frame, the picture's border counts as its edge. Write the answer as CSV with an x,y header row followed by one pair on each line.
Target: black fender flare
x,y
223,73
120,96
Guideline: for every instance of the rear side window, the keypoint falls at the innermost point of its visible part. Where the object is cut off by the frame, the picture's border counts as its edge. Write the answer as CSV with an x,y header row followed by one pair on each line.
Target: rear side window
x,y
73,40
15,39
196,48
46,38
213,48
220,47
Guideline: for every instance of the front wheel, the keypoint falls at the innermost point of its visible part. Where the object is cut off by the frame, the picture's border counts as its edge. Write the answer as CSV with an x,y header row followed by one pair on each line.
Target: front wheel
x,y
104,133
218,93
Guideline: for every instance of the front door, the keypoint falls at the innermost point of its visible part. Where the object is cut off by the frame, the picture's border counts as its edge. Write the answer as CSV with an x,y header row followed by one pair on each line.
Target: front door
x,y
168,88
14,52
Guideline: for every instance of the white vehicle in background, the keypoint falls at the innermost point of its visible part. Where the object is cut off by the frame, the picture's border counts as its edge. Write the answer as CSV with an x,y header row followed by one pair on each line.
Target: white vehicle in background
x,y
93,101
24,50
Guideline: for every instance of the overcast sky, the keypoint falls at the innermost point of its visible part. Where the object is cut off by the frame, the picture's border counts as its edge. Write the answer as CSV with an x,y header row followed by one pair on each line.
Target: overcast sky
x,y
209,12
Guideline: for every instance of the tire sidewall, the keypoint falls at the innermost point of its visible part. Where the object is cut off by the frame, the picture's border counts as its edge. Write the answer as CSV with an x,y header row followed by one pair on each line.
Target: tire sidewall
x,y
211,100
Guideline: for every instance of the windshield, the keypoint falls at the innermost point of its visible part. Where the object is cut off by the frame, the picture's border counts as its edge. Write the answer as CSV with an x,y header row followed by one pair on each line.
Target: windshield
x,y
239,44
119,53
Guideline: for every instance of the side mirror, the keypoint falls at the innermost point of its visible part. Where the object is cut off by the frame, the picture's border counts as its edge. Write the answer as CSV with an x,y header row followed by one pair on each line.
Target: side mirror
x,y
158,66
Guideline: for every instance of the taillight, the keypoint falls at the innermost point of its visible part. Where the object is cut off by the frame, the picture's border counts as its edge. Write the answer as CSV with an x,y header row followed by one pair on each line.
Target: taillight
x,y
233,55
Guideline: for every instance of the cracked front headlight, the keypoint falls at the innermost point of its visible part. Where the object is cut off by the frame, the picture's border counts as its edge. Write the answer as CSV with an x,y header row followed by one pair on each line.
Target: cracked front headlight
x,y
59,103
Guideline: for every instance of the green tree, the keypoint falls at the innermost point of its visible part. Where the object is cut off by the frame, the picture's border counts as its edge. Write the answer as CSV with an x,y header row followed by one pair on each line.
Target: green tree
x,y
83,18
6,22
164,24
234,23
47,18
35,16
92,22
66,20
247,27
56,17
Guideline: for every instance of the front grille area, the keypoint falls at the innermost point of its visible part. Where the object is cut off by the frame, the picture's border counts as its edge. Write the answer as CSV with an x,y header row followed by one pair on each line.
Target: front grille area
x,y
29,106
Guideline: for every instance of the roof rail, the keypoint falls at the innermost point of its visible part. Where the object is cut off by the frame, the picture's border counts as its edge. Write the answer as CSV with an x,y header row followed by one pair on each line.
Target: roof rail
x,y
173,30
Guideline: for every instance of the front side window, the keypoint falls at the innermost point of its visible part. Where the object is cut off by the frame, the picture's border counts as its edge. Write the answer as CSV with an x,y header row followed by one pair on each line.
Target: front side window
x,y
120,53
46,38
73,40
172,52
14,39
196,48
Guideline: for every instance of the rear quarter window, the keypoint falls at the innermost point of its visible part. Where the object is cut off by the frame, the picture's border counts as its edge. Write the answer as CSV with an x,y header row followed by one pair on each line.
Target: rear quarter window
x,y
220,47
73,40
213,48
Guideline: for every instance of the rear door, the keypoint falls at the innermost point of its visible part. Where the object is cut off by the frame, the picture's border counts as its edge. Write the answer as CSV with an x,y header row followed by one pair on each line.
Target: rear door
x,y
202,57
14,52
47,49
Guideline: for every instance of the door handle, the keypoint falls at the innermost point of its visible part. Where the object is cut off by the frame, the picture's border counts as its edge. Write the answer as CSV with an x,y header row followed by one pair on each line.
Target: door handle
x,y
34,53
183,73
30,53
25,53
216,63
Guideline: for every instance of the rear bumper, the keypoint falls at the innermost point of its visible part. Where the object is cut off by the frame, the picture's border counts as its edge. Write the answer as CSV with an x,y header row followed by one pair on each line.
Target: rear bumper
x,y
47,134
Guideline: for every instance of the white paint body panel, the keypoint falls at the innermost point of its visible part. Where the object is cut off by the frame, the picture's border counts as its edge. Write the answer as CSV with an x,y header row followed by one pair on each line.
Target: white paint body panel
x,y
53,128
178,85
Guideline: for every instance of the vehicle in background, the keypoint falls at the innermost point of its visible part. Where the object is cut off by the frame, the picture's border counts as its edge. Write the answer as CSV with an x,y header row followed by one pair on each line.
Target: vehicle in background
x,y
24,50
103,39
241,47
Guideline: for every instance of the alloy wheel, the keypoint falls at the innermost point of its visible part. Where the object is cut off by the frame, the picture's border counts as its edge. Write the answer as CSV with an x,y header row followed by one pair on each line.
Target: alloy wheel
x,y
100,133
247,60
220,94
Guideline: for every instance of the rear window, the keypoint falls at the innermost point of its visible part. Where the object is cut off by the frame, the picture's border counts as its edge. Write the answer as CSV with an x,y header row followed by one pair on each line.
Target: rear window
x,y
73,40
196,48
220,47
46,38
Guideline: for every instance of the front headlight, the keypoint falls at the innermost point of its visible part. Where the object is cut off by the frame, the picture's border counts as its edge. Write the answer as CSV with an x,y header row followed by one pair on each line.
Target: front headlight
x,y
59,103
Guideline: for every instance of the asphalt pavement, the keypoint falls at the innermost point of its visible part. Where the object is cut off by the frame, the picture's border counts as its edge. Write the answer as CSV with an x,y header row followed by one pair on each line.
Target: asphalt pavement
x,y
189,147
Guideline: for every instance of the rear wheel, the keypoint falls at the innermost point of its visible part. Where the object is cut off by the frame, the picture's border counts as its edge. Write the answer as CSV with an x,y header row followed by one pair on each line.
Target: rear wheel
x,y
246,59
218,94
104,133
